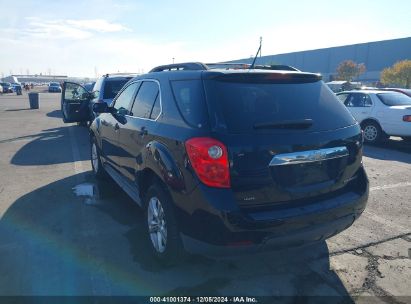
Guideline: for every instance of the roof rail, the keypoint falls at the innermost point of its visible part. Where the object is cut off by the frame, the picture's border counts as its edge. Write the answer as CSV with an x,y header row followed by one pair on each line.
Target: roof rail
x,y
180,66
196,66
240,66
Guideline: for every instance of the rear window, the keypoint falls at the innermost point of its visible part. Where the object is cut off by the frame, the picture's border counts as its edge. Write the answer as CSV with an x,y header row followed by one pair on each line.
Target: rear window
x,y
240,106
394,99
112,87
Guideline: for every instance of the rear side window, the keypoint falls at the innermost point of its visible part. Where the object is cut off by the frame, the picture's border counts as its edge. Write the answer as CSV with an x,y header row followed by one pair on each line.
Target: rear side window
x,y
189,96
112,87
239,107
156,108
394,99
145,100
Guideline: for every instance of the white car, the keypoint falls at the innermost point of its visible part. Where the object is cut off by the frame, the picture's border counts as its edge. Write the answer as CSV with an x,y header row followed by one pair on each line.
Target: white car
x,y
380,113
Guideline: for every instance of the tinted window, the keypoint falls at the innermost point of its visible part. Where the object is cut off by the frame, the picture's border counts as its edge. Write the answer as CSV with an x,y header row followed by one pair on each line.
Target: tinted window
x,y
238,107
123,101
394,99
189,96
112,87
156,108
145,99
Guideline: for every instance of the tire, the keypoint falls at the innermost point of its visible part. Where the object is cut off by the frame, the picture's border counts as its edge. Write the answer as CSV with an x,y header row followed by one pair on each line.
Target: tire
x,y
96,164
372,132
82,124
163,235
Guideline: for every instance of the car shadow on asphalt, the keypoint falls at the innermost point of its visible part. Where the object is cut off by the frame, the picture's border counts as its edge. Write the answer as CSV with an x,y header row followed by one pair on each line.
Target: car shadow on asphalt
x,y
393,150
54,114
16,110
56,243
52,146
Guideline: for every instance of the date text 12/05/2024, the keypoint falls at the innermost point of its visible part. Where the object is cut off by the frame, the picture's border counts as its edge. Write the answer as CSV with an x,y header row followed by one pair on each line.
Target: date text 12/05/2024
x,y
203,299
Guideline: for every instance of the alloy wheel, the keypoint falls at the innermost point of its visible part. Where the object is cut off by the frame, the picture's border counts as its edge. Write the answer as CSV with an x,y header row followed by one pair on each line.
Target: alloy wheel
x,y
157,225
370,133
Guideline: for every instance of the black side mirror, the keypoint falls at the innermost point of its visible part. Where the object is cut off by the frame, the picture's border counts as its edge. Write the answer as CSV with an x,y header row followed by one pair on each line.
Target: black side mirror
x,y
93,95
101,107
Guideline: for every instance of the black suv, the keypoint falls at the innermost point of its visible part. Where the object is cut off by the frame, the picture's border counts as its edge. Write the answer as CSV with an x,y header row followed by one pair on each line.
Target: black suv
x,y
230,160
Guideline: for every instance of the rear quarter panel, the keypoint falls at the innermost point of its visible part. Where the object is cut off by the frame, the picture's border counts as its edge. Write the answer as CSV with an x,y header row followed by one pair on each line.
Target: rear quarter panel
x,y
390,118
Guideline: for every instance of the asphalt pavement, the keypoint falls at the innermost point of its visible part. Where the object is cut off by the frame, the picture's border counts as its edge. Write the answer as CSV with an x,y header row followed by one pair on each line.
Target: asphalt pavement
x,y
63,233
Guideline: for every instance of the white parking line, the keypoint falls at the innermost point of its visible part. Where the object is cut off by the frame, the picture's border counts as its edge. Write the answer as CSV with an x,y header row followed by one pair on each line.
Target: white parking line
x,y
99,279
385,222
391,186
78,167
380,219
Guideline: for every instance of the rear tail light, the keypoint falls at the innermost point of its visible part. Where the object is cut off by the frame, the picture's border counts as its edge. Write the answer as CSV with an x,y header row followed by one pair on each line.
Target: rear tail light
x,y
406,118
209,159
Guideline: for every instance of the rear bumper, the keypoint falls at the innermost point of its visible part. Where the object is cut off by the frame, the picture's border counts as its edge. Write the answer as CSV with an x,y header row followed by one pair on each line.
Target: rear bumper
x,y
218,227
295,239
401,128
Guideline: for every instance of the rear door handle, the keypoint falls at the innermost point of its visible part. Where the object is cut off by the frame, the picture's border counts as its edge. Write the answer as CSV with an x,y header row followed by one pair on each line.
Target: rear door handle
x,y
116,127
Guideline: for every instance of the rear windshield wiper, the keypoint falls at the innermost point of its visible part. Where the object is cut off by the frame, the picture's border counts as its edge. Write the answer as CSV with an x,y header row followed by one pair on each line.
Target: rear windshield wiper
x,y
285,124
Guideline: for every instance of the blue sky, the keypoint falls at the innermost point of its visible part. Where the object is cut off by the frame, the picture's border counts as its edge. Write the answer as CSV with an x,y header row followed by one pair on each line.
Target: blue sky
x,y
88,38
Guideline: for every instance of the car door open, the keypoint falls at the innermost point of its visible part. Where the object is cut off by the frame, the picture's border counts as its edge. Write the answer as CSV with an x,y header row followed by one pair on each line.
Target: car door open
x,y
75,100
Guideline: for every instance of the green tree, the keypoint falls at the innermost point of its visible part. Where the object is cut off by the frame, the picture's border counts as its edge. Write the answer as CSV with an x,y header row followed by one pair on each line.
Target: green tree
x,y
348,70
398,75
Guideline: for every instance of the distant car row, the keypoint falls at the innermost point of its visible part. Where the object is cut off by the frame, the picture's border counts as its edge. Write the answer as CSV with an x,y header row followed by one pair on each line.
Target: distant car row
x,y
7,87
